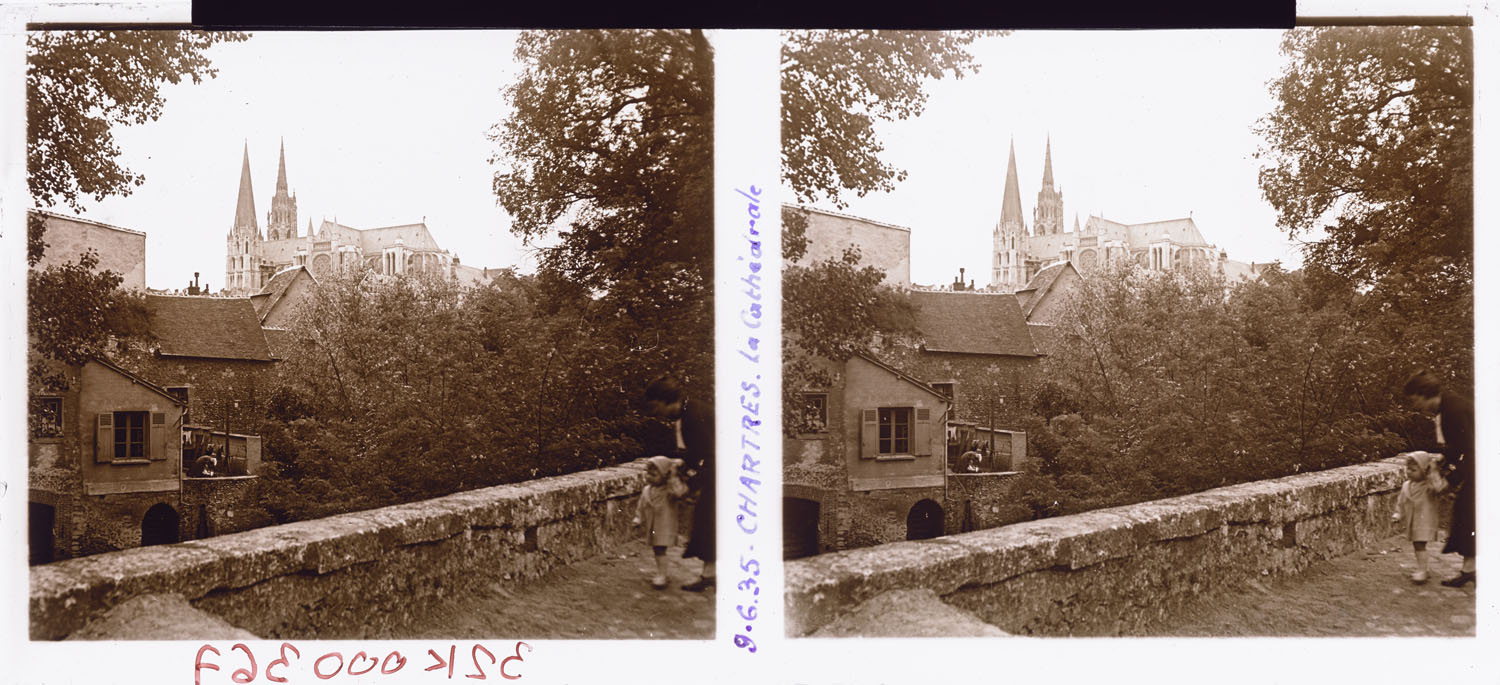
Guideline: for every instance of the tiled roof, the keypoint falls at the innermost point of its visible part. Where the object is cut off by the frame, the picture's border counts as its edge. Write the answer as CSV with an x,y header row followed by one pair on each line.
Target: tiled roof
x,y
1040,284
206,327
972,323
276,288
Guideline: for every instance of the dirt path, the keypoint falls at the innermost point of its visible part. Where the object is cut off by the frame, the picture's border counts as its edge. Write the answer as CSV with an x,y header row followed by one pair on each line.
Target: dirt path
x,y
605,598
1364,594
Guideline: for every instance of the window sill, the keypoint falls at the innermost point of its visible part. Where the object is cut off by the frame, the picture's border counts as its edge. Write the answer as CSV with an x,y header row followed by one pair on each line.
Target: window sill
x,y
47,440
813,435
896,457
131,461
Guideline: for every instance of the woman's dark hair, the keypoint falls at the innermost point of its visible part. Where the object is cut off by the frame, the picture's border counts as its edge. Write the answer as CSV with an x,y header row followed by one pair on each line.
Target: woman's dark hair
x,y
664,389
1423,384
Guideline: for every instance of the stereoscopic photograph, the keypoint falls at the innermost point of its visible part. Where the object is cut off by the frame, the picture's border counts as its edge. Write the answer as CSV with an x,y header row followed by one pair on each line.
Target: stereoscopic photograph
x,y
369,335
1146,333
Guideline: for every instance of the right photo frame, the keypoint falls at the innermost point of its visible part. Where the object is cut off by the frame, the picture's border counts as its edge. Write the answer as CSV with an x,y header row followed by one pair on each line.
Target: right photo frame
x,y
1129,333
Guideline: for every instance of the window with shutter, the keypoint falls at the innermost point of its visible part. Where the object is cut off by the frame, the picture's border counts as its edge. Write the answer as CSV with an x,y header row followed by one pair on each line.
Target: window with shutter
x,y
104,438
130,435
894,430
158,446
868,434
922,433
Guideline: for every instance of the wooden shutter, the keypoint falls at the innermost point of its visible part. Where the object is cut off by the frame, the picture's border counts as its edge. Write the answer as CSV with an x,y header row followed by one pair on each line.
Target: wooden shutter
x,y
869,434
156,437
921,433
104,439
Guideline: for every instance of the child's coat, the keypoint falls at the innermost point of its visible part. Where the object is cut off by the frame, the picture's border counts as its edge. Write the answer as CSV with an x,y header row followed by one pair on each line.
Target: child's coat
x,y
657,507
1417,502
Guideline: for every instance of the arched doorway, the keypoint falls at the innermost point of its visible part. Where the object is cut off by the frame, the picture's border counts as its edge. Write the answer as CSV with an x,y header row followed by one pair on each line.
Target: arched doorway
x,y
159,526
40,520
924,521
799,527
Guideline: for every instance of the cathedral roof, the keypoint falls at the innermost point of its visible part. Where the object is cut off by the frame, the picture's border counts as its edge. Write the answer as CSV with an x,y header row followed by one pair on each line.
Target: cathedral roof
x,y
244,210
1181,231
413,236
1010,208
972,323
206,327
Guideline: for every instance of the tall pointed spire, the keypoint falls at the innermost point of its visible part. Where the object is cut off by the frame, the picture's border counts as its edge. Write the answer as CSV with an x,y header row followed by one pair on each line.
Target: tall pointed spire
x,y
244,210
281,169
281,221
1010,207
1047,172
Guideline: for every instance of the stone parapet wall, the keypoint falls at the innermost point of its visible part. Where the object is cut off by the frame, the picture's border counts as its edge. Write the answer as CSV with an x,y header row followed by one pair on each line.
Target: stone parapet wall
x,y
350,576
1107,571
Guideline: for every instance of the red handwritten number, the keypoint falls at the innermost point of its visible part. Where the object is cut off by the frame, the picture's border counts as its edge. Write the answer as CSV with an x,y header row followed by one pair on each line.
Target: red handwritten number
x,y
317,670
283,661
509,659
373,663
241,675
475,652
400,663
198,664
452,651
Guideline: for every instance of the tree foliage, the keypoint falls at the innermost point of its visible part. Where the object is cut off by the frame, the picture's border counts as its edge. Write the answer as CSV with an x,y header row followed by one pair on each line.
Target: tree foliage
x,y
609,150
1179,383
399,389
79,84
836,84
74,311
1370,152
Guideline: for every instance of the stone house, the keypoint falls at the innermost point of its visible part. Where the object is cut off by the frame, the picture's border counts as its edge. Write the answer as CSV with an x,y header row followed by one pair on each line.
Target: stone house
x,y
104,464
976,349
1043,300
277,303
885,246
870,466
121,250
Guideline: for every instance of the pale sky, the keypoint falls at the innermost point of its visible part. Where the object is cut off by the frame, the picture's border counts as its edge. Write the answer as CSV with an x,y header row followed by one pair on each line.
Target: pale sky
x,y
1145,126
381,128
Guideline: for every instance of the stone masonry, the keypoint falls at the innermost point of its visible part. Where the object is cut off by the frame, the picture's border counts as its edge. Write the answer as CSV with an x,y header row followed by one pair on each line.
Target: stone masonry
x,y
356,574
1110,571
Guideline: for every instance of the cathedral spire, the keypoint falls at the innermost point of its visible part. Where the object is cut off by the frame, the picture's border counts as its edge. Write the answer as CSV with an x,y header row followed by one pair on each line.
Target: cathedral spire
x,y
281,170
1010,207
1047,172
244,210
281,221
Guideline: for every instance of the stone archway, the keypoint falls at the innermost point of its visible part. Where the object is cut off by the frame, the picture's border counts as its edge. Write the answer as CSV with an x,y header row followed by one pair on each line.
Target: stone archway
x,y
924,521
160,526
799,527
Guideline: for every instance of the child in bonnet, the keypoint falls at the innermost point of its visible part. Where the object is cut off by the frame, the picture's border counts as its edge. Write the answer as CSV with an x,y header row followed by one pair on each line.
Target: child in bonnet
x,y
657,510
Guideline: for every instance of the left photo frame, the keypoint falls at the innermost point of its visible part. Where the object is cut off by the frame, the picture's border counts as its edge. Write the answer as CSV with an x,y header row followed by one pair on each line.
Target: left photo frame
x,y
366,335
